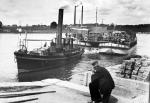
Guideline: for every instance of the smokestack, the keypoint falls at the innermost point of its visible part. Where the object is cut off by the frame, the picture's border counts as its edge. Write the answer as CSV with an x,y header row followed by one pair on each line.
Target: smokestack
x,y
60,24
82,16
75,15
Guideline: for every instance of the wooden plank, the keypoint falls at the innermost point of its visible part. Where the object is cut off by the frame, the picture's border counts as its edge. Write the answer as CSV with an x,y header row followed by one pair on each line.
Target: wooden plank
x,y
25,100
23,94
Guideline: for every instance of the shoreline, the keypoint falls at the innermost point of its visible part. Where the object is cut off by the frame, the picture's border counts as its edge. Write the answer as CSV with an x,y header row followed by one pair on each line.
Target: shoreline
x,y
39,31
55,31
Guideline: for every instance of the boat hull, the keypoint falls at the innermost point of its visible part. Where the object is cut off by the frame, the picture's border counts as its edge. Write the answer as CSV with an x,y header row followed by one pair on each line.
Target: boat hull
x,y
28,63
110,48
117,51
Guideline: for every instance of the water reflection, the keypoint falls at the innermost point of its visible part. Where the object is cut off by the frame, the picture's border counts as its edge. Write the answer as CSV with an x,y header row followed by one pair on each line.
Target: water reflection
x,y
62,72
105,60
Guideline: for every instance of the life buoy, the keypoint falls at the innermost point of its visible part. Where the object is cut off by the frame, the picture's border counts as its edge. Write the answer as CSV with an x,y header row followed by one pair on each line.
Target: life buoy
x,y
85,39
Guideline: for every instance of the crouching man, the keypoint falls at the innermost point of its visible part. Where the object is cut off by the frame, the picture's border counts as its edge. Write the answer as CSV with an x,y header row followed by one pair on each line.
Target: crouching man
x,y
101,84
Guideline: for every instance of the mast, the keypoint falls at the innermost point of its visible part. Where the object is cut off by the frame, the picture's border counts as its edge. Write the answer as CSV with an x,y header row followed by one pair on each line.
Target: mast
x,y
102,21
26,36
20,30
96,16
82,16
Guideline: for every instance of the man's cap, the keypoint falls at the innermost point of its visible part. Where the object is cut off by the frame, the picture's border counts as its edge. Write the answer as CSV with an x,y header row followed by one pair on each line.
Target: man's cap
x,y
95,62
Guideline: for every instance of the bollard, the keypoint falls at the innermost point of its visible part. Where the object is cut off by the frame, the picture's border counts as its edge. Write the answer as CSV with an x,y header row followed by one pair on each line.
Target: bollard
x,y
87,78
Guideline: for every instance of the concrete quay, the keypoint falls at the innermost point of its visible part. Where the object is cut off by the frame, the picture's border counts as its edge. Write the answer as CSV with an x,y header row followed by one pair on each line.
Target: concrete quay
x,y
56,91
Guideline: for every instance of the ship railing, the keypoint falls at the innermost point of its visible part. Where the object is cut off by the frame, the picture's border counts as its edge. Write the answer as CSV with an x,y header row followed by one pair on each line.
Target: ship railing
x,y
126,43
120,40
109,44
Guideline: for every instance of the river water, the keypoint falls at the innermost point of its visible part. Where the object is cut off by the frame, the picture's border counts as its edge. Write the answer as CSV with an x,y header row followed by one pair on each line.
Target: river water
x,y
72,71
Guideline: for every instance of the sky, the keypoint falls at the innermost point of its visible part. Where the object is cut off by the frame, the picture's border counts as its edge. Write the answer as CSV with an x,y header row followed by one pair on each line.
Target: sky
x,y
33,12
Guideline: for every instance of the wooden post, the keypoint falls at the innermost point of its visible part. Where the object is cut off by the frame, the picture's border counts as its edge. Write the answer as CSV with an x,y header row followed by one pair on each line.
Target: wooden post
x,y
86,79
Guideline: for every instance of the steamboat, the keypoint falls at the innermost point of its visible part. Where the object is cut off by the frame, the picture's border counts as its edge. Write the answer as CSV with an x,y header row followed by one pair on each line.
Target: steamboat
x,y
61,50
113,42
104,39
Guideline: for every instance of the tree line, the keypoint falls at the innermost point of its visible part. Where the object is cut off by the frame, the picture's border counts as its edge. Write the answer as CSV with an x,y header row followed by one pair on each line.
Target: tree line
x,y
14,28
135,28
53,25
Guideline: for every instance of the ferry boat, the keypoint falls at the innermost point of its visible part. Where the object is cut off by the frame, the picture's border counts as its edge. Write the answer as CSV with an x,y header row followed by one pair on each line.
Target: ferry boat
x,y
61,49
102,39
113,42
